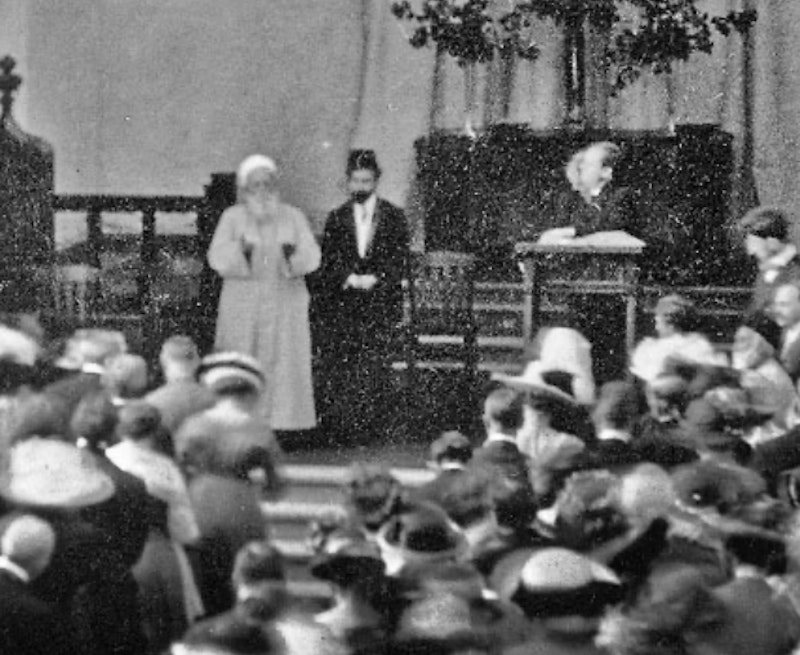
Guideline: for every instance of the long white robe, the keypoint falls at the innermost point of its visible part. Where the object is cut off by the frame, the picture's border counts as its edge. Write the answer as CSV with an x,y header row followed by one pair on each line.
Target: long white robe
x,y
263,307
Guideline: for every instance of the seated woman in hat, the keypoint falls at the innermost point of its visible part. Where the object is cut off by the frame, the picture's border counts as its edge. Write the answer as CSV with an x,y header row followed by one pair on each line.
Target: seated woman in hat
x,y
549,434
676,323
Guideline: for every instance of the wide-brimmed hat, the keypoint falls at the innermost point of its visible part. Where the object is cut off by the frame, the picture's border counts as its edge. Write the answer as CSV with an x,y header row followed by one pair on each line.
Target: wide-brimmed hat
x,y
347,556
220,369
559,582
50,473
591,517
419,536
535,380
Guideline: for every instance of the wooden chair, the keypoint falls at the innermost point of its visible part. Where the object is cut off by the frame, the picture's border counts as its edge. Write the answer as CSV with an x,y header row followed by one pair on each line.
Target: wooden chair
x,y
74,287
440,328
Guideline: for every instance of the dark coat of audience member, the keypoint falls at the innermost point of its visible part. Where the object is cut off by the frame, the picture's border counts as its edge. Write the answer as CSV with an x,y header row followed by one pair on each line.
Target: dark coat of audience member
x,y
28,624
125,521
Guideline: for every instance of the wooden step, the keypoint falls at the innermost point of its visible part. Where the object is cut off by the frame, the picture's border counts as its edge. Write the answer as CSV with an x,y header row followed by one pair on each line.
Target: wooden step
x,y
312,474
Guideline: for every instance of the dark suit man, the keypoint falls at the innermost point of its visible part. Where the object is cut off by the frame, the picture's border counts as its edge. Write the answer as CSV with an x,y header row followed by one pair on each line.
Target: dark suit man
x,y
28,624
359,299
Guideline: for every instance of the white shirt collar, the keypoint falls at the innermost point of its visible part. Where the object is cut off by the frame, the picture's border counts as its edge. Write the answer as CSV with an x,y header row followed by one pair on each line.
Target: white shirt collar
x,y
772,266
606,434
364,214
499,436
451,466
14,569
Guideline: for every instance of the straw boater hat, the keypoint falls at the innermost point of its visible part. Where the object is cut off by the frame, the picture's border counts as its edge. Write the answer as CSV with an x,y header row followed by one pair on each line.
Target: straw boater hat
x,y
50,473
559,582
535,380
219,369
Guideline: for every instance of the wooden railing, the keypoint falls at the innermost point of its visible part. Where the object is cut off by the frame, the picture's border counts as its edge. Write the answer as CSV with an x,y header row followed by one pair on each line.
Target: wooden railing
x,y
148,206
720,305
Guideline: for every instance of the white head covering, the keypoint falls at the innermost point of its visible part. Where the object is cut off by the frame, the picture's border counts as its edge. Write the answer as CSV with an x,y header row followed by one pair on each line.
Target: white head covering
x,y
253,163
566,349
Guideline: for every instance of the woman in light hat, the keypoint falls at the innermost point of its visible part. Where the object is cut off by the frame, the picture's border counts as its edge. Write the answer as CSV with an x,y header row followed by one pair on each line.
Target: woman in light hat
x,y
676,323
548,435
263,249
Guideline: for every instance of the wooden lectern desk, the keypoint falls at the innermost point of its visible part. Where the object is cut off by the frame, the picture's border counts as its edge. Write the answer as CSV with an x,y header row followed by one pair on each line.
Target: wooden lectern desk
x,y
604,263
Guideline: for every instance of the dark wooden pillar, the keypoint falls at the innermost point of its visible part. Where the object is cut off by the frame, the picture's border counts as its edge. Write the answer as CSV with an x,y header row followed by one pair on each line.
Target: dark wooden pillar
x,y
220,194
26,213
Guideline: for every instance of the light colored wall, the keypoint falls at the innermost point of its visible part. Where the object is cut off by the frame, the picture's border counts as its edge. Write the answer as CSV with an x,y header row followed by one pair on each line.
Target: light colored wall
x,y
152,96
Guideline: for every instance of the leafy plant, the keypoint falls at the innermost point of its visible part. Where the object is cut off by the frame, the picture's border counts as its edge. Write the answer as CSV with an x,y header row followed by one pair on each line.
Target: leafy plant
x,y
652,35
471,31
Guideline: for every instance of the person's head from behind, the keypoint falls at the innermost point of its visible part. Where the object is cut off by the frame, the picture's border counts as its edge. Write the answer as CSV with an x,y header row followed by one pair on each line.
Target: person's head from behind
x,y
140,422
617,407
179,358
91,347
125,376
675,314
766,231
94,422
757,340
233,377
40,415
257,185
452,450
259,579
503,411
363,174
786,304
28,542
591,168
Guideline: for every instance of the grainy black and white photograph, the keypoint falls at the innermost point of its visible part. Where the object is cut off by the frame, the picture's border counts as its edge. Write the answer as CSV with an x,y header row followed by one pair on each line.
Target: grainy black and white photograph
x,y
399,327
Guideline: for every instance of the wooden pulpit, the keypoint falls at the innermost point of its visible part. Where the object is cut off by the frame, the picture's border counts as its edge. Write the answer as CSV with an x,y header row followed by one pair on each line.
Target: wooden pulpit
x,y
604,264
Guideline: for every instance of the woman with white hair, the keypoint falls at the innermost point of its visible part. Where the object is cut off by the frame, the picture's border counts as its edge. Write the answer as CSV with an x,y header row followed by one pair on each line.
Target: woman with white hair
x,y
263,248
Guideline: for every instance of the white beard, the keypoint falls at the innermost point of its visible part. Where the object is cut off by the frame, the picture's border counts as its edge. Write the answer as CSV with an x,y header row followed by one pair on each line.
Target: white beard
x,y
262,206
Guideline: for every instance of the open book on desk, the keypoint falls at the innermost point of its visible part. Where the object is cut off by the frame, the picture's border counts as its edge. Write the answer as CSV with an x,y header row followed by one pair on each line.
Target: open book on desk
x,y
564,237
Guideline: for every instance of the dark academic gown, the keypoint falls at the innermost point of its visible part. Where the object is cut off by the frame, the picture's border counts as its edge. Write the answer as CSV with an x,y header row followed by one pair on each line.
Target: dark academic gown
x,y
354,328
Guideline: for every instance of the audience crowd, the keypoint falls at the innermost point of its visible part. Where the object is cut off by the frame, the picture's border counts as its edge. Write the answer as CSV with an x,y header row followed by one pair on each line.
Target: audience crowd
x,y
650,515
